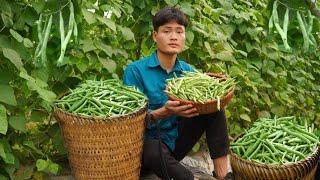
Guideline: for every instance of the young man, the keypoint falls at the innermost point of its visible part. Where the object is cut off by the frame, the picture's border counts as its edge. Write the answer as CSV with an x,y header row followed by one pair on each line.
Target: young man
x,y
180,125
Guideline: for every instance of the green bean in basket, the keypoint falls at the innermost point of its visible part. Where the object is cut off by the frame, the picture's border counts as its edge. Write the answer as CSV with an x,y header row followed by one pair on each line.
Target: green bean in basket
x,y
199,87
104,98
276,141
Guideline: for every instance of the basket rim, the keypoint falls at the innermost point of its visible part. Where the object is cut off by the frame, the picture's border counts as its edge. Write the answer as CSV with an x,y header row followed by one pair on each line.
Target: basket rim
x,y
104,119
231,92
272,166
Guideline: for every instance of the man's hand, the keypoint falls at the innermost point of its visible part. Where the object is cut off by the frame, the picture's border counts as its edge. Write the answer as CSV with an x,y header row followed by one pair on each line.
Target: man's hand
x,y
174,107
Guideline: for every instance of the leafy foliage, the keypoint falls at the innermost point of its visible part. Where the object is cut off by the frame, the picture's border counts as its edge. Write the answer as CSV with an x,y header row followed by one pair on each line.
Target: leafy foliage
x,y
231,36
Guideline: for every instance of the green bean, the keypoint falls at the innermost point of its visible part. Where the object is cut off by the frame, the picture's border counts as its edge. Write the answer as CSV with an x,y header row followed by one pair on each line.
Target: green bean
x,y
102,98
282,139
40,37
304,32
199,87
67,37
61,26
43,40
270,24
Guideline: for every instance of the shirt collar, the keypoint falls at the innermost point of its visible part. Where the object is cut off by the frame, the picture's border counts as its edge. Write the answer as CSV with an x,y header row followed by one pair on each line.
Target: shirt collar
x,y
154,62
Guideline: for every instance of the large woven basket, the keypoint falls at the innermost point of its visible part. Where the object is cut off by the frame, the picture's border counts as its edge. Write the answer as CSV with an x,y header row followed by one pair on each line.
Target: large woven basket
x,y
247,170
109,148
209,106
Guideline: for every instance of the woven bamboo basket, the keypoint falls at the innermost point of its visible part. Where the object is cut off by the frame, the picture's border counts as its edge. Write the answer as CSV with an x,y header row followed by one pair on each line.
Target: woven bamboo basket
x,y
109,148
209,106
247,170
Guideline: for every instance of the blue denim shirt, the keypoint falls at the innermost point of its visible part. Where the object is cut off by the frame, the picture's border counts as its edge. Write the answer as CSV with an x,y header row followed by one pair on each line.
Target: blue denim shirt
x,y
150,78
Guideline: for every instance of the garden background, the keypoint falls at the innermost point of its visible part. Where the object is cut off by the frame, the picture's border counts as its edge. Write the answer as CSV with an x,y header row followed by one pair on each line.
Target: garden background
x,y
276,63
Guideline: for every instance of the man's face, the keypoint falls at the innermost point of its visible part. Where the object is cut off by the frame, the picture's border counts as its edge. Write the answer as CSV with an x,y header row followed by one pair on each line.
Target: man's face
x,y
170,38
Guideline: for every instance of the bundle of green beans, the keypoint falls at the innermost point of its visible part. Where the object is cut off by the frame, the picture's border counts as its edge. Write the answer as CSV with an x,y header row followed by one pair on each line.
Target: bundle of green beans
x,y
104,98
276,141
199,87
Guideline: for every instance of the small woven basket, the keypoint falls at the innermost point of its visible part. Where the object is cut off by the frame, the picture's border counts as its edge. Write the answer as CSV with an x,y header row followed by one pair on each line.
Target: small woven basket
x,y
108,148
245,169
209,106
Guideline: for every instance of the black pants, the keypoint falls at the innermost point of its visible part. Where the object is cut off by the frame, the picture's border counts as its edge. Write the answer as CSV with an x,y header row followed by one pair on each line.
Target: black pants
x,y
190,131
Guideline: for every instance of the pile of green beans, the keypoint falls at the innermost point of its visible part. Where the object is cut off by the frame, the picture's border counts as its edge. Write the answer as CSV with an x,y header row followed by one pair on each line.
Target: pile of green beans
x,y
105,98
199,87
276,141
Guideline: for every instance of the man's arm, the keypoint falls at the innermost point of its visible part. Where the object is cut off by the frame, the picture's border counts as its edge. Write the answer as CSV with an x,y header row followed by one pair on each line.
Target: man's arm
x,y
221,167
174,108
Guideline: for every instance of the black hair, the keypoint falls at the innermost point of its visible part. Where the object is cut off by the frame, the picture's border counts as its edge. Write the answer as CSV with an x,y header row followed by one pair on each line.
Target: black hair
x,y
167,15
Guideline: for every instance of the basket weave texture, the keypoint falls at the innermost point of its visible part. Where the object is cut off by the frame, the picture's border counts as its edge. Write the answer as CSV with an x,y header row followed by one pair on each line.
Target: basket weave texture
x,y
304,169
209,106
109,148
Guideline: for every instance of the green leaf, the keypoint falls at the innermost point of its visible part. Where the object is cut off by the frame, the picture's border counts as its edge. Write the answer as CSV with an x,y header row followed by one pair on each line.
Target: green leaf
x,y
2,177
88,16
7,95
87,45
278,110
4,42
82,66
242,28
105,48
58,144
190,38
266,98
27,43
126,32
154,10
13,56
38,85
187,8
3,120
18,122
273,74
7,19
53,168
9,158
171,2
16,35
46,95
6,145
31,145
38,116
245,117
41,164
5,76
10,170
108,22
42,75
38,5
2,153
209,49
225,56
264,114
109,64
5,7
46,105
